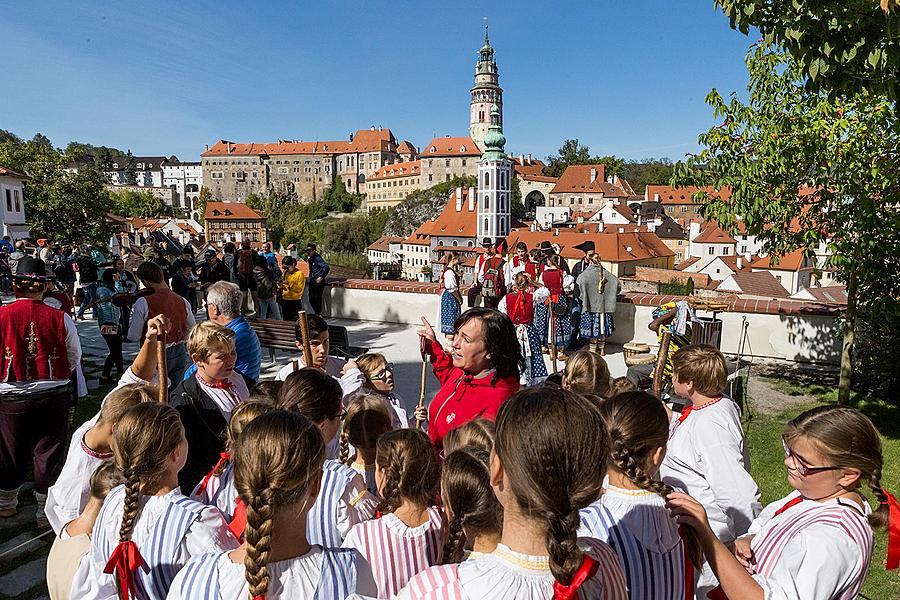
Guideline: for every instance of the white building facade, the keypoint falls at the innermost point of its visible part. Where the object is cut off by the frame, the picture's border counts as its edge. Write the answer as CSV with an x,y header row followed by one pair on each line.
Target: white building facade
x,y
185,180
494,184
12,204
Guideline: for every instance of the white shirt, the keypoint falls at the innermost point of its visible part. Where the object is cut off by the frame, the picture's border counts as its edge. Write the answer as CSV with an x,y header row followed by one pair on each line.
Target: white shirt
x,y
505,574
139,313
707,457
292,578
568,282
69,495
208,534
449,280
226,399
73,354
510,271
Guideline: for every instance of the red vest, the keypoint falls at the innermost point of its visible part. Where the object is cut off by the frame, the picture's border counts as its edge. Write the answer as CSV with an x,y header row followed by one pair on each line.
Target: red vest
x,y
532,269
520,308
553,279
33,342
167,302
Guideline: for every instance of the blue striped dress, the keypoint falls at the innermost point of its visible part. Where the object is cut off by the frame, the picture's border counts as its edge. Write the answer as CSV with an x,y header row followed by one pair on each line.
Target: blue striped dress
x,y
343,502
638,527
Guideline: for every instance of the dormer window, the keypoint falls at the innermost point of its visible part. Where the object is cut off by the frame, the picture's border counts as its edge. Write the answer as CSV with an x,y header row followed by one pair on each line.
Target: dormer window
x,y
216,212
228,212
432,149
462,148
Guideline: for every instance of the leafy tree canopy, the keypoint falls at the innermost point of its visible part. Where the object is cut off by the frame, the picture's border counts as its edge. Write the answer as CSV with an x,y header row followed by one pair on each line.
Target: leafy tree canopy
x,y
839,46
130,203
638,173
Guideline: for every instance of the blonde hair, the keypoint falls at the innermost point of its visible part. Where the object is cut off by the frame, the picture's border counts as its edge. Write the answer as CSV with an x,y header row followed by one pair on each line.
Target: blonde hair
x,y
848,440
366,420
523,281
703,365
587,373
104,479
278,460
409,469
595,259
478,433
142,441
369,363
120,400
207,338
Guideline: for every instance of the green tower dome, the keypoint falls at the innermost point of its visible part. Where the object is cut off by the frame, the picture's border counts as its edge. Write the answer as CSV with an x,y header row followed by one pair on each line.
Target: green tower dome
x,y
494,141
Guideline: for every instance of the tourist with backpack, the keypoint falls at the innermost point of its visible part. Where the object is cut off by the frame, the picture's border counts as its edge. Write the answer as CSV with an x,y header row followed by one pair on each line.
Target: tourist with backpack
x,y
266,289
490,277
244,263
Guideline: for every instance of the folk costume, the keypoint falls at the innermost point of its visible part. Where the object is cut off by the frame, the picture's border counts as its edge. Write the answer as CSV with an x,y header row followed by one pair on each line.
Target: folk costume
x,y
343,501
395,551
520,307
451,299
559,284
597,292
164,301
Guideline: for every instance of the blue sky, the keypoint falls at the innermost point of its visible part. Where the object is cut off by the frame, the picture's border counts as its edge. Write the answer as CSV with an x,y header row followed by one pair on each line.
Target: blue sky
x,y
626,77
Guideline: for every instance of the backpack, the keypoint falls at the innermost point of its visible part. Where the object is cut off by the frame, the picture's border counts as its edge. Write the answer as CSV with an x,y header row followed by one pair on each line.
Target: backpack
x,y
265,284
493,287
245,261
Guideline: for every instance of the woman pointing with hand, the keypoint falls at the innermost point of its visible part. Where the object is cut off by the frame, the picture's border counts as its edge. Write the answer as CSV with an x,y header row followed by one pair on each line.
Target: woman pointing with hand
x,y
478,372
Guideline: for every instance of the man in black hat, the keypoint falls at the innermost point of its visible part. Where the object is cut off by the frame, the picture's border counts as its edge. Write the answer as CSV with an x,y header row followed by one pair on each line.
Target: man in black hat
x,y
475,291
40,352
547,250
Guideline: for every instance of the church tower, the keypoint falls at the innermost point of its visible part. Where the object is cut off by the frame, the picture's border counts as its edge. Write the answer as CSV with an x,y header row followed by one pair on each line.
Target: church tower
x,y
485,94
494,183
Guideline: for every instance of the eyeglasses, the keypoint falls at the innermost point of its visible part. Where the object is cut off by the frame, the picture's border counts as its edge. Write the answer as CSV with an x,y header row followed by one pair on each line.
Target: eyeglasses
x,y
341,415
800,465
383,374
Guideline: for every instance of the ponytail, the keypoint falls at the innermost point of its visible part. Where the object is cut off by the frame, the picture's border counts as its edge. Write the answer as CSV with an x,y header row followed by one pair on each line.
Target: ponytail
x,y
466,489
409,469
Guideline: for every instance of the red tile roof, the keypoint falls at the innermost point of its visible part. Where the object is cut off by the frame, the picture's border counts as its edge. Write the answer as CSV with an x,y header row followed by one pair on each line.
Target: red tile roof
x,y
686,263
760,283
457,224
701,280
731,262
612,247
403,169
7,172
538,178
577,179
230,210
421,235
684,195
794,261
834,294
383,243
406,148
364,140
534,167
451,146
710,233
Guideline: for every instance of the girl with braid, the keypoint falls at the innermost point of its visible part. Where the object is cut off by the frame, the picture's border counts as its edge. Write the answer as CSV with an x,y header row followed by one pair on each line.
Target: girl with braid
x,y
367,419
817,541
147,530
217,487
475,515
278,462
631,516
408,533
549,445
343,499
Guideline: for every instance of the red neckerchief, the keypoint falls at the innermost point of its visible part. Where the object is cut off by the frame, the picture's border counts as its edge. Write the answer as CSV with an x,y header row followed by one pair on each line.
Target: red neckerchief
x,y
125,561
788,505
587,570
93,453
238,521
225,384
687,410
893,555
223,458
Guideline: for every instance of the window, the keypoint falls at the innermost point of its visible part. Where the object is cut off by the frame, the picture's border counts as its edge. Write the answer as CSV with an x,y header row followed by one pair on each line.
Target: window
x,y
487,203
463,162
743,249
487,179
448,177
283,170
16,197
684,209
218,175
430,177
712,250
8,201
447,163
726,251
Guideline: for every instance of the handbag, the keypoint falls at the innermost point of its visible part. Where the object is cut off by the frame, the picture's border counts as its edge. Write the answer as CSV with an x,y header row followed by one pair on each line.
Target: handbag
x,y
561,307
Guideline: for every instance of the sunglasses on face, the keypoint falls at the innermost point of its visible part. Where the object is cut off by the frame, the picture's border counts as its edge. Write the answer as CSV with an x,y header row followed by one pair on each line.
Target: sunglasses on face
x,y
800,465
382,375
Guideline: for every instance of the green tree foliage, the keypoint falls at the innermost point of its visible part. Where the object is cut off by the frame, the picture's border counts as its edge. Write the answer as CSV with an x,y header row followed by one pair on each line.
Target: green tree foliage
x,y
204,197
516,206
130,174
572,152
638,173
646,172
422,205
129,203
805,170
254,201
68,206
338,199
843,46
350,234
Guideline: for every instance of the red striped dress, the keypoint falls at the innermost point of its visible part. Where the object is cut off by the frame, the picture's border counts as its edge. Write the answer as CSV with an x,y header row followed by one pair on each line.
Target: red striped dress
x,y
395,551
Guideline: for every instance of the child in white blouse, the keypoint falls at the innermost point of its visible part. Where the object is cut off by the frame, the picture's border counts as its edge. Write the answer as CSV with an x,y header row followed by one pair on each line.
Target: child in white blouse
x,y
367,419
474,514
378,378
817,541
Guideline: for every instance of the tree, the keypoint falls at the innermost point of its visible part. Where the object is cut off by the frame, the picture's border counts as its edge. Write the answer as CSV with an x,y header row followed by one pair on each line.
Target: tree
x,y
254,201
338,199
803,171
645,172
130,174
572,152
842,46
130,203
347,235
516,206
103,159
68,206
204,197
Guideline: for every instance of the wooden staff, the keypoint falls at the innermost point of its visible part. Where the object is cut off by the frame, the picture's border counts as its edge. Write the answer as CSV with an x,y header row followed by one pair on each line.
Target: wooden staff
x,y
162,367
421,403
661,357
304,332
552,318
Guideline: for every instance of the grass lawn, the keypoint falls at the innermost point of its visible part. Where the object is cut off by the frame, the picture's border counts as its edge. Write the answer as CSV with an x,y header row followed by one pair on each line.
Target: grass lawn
x,y
767,461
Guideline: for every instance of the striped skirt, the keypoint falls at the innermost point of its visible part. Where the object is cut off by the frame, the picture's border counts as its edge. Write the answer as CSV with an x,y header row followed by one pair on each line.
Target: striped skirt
x,y
450,310
596,325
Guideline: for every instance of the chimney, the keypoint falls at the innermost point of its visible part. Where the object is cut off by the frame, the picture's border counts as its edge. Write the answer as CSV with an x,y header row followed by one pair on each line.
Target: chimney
x,y
529,158
351,136
740,262
556,231
471,199
228,146
609,179
593,174
207,147
522,159
459,198
534,226
656,197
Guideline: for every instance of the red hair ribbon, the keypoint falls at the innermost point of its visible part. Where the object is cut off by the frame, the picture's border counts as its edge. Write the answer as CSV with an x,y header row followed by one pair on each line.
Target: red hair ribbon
x,y
587,570
239,520
893,554
223,457
259,598
125,560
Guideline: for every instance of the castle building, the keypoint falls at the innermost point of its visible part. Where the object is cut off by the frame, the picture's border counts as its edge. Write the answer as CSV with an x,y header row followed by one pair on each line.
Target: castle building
x,y
494,183
486,94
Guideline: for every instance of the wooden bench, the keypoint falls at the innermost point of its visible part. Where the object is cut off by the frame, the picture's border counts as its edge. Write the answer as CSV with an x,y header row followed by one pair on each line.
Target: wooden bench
x,y
279,335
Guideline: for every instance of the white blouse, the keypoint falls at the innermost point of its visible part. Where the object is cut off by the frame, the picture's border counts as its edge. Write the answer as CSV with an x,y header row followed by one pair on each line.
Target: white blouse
x,y
226,398
449,280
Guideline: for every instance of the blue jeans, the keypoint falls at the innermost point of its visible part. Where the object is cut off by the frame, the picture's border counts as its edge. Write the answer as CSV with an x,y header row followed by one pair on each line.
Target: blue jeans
x,y
90,294
269,309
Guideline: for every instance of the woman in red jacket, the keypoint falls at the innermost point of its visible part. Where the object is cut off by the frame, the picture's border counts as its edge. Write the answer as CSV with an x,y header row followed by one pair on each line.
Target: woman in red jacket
x,y
480,371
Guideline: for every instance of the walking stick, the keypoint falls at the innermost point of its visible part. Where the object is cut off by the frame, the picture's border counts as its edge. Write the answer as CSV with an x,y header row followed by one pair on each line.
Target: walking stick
x,y
661,358
162,367
304,331
421,403
552,333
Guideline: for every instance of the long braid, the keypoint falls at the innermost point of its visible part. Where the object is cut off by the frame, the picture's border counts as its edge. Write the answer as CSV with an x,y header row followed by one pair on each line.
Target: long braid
x,y
880,517
562,542
258,536
390,494
625,461
344,455
132,505
455,536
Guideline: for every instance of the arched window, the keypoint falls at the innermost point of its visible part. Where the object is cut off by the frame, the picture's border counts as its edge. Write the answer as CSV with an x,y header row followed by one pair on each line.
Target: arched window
x,y
485,225
487,202
487,179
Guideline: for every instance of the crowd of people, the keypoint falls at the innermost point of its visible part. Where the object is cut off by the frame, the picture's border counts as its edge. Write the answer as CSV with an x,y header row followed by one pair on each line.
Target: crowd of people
x,y
507,484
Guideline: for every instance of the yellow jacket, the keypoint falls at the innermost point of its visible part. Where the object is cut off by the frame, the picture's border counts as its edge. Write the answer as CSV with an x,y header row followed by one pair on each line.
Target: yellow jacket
x,y
292,286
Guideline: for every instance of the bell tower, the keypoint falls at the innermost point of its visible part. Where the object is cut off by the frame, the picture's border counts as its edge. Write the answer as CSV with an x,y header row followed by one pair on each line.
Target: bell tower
x,y
495,174
486,93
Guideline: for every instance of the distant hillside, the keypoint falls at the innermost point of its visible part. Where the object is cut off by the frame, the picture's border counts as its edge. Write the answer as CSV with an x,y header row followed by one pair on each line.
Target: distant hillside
x,y
422,205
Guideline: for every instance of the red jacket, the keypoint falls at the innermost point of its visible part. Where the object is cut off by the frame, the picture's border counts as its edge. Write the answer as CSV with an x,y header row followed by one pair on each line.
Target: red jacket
x,y
462,397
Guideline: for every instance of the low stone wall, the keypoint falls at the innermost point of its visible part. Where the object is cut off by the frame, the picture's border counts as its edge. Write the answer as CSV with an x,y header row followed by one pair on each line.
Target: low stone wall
x,y
779,329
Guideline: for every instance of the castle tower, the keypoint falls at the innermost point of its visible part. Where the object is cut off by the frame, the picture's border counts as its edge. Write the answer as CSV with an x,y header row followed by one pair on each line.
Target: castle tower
x,y
494,183
485,94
